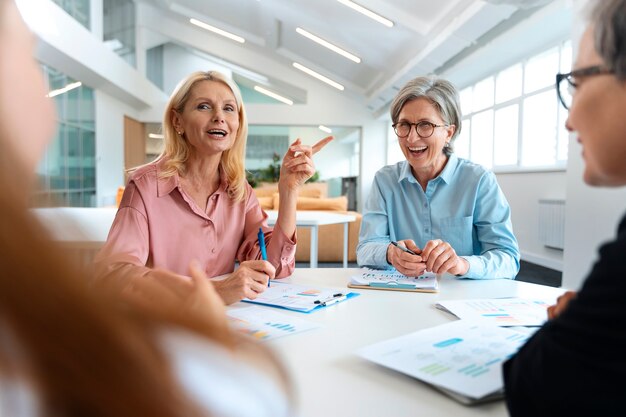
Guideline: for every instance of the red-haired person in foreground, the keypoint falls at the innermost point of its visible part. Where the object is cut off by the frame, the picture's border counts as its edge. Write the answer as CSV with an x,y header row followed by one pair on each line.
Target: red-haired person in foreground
x,y
66,350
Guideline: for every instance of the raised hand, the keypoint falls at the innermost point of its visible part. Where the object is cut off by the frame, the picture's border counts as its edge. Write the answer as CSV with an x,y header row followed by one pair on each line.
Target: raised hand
x,y
298,166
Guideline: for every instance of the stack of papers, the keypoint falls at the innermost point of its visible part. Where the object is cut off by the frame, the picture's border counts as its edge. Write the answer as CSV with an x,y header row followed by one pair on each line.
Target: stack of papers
x,y
499,311
462,359
383,279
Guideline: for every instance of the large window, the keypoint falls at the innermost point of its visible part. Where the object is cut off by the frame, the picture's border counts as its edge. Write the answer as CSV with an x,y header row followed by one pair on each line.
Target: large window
x,y
78,9
67,173
512,119
119,28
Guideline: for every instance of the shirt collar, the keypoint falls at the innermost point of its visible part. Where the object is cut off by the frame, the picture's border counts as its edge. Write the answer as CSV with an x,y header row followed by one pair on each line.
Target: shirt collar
x,y
446,174
448,171
167,185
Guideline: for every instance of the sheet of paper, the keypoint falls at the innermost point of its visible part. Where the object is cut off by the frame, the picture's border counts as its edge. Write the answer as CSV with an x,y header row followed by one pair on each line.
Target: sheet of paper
x,y
295,297
266,324
367,276
460,356
499,311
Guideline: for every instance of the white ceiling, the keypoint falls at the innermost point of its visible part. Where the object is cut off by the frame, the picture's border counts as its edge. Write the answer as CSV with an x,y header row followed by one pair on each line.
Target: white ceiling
x,y
426,34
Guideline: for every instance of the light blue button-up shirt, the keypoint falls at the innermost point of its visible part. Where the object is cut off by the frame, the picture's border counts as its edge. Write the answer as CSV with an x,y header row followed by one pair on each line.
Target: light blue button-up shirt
x,y
463,206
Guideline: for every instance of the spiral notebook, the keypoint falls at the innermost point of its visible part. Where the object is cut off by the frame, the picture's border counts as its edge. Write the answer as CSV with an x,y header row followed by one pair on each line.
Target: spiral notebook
x,y
383,279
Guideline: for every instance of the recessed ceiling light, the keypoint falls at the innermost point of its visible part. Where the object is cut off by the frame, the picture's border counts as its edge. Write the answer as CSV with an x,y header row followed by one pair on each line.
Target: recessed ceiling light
x,y
273,95
325,129
318,76
156,136
367,12
217,30
328,45
65,89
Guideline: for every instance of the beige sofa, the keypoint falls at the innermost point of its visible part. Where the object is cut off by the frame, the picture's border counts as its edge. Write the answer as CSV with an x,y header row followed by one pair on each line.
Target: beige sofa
x,y
314,196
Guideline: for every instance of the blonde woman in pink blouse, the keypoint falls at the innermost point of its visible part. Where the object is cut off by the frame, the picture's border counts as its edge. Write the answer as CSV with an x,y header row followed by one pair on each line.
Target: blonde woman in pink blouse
x,y
193,201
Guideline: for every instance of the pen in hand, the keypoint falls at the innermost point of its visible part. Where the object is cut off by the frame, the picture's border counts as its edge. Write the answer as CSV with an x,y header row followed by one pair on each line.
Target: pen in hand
x,y
403,249
261,238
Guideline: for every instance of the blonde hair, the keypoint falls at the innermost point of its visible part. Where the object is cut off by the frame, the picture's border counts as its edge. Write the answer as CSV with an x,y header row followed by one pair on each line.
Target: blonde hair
x,y
176,151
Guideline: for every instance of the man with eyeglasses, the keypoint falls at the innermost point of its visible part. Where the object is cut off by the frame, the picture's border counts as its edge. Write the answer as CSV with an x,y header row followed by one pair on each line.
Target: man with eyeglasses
x,y
575,365
434,211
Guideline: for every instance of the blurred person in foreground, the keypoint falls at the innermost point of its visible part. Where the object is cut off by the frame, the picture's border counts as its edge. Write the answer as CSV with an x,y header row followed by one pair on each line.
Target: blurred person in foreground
x,y
66,350
575,364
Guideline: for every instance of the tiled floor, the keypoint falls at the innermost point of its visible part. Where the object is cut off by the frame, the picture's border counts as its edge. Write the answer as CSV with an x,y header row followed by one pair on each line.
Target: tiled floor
x,y
528,272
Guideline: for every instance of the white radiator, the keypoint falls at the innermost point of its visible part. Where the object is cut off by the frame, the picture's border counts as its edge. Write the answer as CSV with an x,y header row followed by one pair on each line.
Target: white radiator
x,y
552,223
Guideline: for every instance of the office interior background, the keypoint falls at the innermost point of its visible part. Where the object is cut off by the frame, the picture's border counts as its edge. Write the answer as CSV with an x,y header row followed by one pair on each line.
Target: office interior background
x,y
111,65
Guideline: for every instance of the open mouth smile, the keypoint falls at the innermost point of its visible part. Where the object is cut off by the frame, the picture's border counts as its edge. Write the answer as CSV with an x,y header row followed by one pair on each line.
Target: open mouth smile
x,y
219,133
417,150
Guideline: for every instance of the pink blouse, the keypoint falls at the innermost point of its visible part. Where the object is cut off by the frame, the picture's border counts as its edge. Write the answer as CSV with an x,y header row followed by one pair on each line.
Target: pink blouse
x,y
159,226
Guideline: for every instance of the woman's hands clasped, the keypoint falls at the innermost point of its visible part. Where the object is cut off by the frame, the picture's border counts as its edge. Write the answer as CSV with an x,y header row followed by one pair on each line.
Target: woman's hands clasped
x,y
437,256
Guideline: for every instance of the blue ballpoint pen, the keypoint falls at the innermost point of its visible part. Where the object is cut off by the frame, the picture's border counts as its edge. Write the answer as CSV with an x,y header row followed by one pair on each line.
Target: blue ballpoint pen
x,y
261,238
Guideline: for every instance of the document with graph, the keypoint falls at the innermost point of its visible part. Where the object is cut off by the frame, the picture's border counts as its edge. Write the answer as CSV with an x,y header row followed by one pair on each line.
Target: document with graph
x,y
266,324
300,298
390,279
499,311
461,358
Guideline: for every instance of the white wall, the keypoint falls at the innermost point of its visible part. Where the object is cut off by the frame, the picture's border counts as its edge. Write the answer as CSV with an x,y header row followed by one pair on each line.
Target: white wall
x,y
110,114
523,191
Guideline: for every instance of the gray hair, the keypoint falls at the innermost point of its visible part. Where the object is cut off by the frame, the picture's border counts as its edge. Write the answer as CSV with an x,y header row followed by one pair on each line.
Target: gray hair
x,y
608,18
441,93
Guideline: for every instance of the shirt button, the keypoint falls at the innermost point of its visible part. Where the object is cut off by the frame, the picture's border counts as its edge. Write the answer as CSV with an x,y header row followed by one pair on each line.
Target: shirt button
x,y
426,230
425,205
213,250
288,248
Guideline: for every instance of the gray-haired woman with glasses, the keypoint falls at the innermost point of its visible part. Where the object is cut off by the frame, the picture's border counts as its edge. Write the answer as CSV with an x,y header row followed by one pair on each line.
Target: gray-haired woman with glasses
x,y
448,212
575,365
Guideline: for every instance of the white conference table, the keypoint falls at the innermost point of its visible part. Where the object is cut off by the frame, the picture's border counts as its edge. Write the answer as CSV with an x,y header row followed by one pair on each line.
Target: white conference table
x,y
315,219
330,380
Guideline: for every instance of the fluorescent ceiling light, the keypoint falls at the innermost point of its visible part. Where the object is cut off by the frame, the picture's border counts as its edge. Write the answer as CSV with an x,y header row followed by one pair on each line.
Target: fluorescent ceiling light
x,y
65,89
325,129
318,76
217,30
367,12
273,95
328,45
156,136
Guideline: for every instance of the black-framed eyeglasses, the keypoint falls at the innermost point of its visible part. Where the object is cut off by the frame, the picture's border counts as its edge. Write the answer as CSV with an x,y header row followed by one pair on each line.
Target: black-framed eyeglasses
x,y
565,91
423,129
